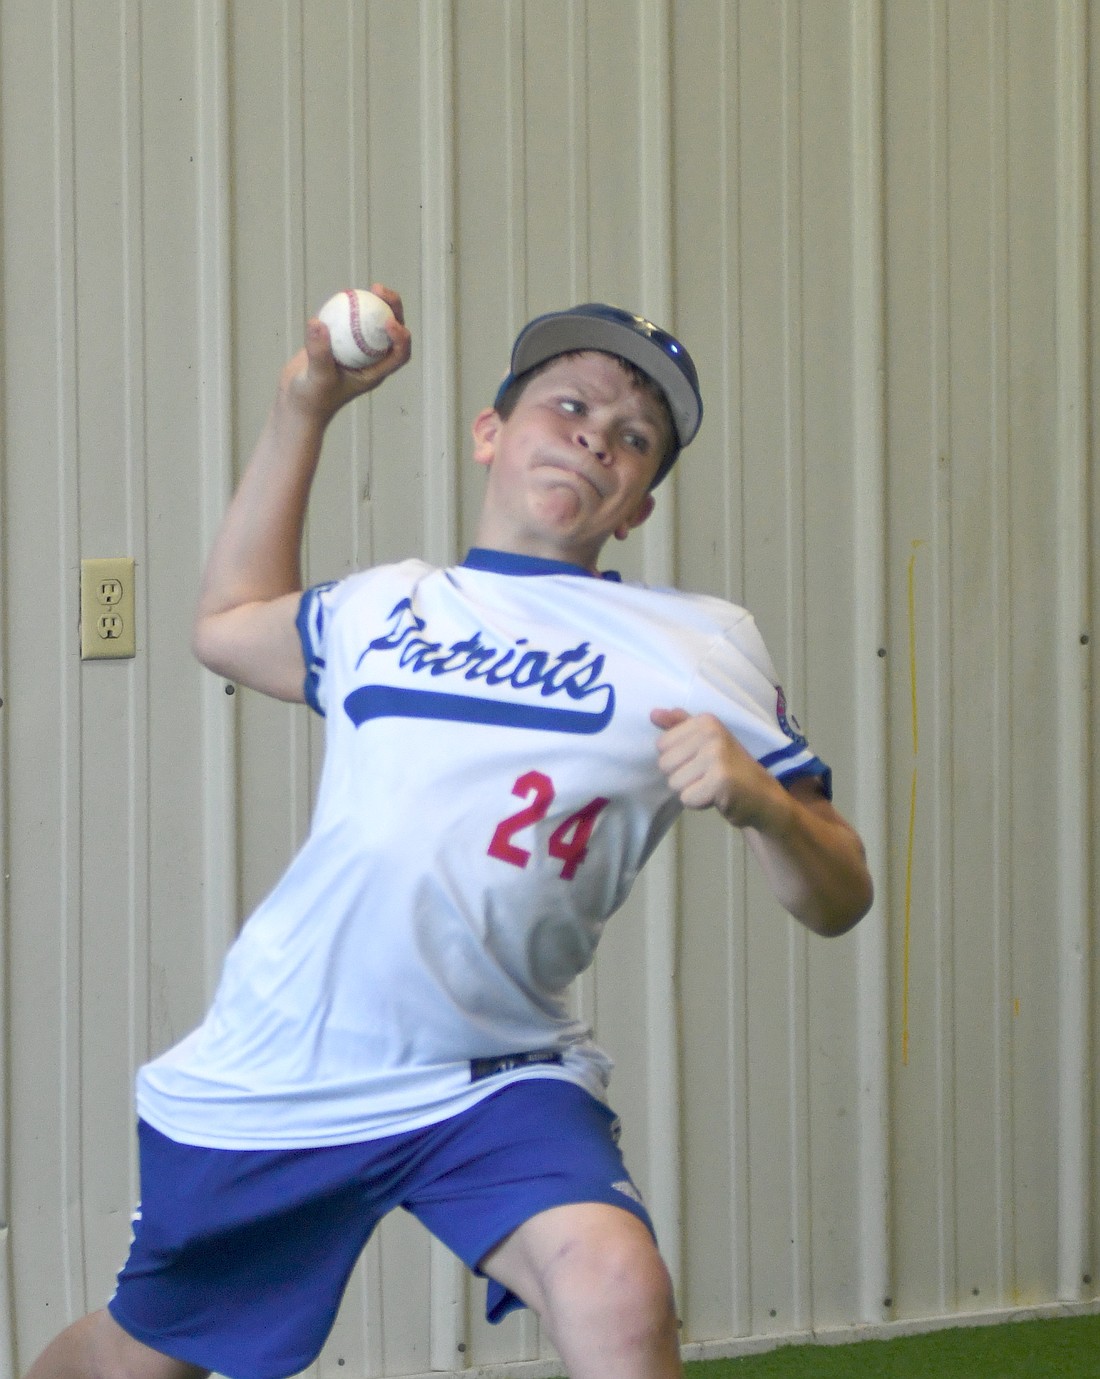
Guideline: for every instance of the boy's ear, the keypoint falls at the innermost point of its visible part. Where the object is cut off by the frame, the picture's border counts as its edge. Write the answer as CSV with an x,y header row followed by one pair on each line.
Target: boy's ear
x,y
485,428
642,512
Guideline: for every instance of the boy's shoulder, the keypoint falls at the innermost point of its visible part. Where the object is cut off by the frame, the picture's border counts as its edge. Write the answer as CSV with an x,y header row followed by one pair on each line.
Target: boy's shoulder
x,y
702,609
712,629
323,604
336,591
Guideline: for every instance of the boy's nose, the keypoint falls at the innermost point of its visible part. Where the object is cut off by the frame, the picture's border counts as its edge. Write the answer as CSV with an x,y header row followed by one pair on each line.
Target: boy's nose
x,y
594,443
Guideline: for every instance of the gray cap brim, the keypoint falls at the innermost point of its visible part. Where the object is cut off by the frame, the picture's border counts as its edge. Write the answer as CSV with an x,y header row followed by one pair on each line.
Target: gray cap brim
x,y
564,332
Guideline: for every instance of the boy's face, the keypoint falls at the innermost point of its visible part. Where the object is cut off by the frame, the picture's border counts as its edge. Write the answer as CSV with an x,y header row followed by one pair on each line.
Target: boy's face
x,y
572,464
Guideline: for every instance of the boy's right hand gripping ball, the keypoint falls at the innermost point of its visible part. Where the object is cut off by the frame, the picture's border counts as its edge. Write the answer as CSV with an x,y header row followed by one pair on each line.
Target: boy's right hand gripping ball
x,y
356,322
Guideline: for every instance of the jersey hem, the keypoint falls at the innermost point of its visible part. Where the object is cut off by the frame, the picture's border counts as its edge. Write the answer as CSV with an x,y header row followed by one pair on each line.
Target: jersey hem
x,y
397,1126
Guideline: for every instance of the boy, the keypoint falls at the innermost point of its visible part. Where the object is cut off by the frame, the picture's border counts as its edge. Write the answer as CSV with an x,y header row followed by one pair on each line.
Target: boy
x,y
507,741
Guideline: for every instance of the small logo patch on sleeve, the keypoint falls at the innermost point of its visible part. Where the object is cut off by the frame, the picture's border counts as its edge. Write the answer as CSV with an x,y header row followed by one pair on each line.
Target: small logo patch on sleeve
x,y
787,721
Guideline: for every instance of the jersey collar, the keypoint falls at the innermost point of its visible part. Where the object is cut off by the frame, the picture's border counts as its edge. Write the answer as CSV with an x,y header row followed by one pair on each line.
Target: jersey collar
x,y
511,563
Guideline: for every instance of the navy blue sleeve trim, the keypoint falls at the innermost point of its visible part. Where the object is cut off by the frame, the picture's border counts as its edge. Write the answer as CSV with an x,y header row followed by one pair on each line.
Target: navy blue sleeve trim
x,y
811,768
314,664
781,754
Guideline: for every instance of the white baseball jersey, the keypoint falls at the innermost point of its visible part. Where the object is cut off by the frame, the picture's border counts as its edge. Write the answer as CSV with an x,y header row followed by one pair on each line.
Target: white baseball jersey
x,y
489,793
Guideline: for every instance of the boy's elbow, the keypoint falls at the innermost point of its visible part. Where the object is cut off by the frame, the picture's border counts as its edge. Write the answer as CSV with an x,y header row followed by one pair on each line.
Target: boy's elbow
x,y
844,913
206,646
255,645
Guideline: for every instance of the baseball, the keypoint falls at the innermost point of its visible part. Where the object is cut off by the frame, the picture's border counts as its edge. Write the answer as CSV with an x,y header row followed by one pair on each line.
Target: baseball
x,y
356,323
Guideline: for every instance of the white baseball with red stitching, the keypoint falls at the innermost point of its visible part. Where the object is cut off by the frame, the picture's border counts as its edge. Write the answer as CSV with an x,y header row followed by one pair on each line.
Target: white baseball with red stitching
x,y
356,323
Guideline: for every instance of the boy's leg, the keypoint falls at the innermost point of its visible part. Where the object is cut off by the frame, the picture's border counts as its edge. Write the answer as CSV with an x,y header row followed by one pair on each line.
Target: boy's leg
x,y
96,1347
594,1276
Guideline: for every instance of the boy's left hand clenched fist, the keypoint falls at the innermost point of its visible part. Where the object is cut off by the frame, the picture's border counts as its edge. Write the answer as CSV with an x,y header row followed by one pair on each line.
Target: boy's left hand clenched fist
x,y
706,766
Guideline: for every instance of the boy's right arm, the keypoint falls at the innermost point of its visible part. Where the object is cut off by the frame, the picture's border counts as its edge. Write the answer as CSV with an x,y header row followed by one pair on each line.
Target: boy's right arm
x,y
245,622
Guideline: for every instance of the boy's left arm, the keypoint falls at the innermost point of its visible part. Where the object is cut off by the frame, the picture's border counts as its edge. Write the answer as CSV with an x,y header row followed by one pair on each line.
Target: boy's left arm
x,y
812,857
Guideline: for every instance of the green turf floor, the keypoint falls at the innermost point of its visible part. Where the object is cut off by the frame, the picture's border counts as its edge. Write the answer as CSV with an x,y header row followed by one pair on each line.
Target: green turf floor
x,y
1065,1348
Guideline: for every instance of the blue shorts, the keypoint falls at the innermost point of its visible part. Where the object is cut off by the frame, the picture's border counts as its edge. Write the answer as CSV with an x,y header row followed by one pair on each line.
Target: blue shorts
x,y
240,1257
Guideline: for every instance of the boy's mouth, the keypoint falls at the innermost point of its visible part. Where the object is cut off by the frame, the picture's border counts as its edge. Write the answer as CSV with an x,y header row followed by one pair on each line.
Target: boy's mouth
x,y
585,471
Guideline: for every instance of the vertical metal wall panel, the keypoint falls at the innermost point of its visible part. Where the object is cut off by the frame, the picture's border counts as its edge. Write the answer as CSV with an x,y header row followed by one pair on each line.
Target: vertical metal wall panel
x,y
397,52
43,704
491,212
916,291
869,750
214,465
187,919
7,1297
774,955
268,118
1076,1184
977,649
1034,402
1089,635
874,223
556,173
821,669
112,785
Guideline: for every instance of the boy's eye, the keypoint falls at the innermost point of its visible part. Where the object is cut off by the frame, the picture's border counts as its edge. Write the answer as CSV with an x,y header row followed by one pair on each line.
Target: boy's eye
x,y
573,405
637,441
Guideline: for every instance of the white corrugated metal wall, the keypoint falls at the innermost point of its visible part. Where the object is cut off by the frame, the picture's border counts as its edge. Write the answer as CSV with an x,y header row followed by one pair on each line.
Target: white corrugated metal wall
x,y
873,223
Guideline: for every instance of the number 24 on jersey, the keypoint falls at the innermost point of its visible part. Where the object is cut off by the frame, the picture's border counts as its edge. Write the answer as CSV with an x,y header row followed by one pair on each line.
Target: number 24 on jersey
x,y
567,844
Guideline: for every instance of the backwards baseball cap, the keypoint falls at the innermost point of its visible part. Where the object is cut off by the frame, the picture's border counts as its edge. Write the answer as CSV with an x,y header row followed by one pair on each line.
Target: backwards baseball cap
x,y
596,326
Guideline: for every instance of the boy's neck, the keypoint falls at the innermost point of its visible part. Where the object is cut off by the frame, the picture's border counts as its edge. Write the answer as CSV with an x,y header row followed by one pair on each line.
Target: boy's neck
x,y
497,537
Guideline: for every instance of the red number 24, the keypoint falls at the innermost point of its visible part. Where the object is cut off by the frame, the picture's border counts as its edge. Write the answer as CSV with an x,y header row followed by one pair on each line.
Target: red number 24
x,y
568,843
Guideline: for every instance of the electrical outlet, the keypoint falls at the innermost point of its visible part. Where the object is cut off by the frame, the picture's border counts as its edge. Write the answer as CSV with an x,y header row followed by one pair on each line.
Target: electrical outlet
x,y
107,630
